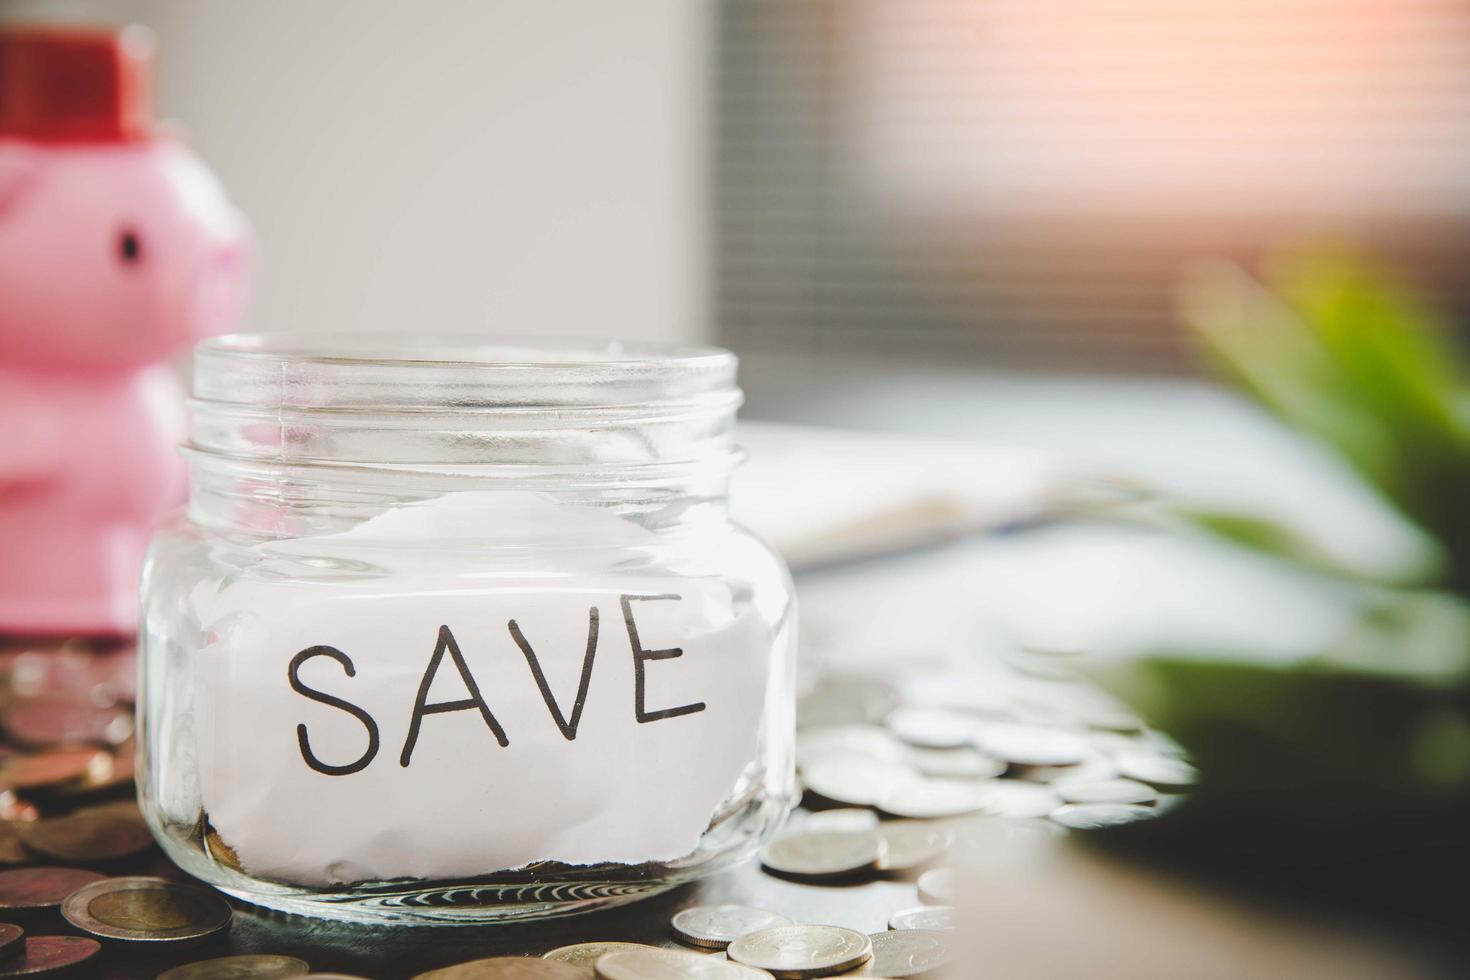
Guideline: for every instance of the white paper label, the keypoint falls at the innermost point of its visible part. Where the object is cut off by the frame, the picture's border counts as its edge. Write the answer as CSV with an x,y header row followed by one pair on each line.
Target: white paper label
x,y
358,730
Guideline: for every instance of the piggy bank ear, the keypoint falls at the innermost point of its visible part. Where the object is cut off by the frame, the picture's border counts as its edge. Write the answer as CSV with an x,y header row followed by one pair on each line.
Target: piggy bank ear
x,y
20,172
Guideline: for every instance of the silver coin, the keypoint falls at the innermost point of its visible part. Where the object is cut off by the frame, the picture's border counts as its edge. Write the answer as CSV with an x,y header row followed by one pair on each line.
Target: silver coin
x,y
1106,791
663,964
1017,800
840,699
864,741
586,954
849,818
913,844
851,780
906,953
716,926
932,728
938,917
1098,816
937,886
824,854
965,763
1160,772
146,910
927,799
803,951
1032,745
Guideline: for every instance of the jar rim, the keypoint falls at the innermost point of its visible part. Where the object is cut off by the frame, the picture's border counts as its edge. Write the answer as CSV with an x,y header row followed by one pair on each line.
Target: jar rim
x,y
435,403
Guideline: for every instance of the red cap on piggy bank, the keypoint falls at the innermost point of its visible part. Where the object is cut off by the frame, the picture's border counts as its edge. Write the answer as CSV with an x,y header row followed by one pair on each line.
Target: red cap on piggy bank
x,y
65,84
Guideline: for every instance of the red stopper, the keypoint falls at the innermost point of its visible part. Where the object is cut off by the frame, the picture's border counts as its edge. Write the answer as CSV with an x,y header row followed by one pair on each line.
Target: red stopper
x,y
64,84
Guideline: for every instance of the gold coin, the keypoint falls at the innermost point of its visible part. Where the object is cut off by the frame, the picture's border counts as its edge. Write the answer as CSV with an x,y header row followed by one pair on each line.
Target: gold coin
x,y
51,956
86,838
146,910
261,967
586,954
45,769
41,888
508,968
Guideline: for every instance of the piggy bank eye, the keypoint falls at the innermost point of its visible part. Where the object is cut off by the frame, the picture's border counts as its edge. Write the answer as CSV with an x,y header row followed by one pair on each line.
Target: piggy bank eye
x,y
129,247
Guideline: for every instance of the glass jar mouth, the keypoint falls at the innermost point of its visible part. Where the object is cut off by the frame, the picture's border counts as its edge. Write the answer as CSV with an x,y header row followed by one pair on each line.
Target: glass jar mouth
x,y
455,373
459,405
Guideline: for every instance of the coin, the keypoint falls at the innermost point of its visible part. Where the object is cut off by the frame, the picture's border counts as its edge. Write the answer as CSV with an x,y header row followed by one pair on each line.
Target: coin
x,y
1032,745
938,917
1160,772
50,720
86,837
853,781
146,910
716,926
11,849
802,951
586,954
1097,816
864,741
41,888
912,844
51,956
45,769
663,964
220,852
824,854
1106,791
937,886
932,728
955,763
106,771
845,818
839,699
906,953
508,968
1018,801
11,939
925,799
256,967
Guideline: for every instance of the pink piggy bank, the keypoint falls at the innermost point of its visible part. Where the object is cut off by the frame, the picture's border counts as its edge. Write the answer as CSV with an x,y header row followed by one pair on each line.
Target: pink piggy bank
x,y
118,250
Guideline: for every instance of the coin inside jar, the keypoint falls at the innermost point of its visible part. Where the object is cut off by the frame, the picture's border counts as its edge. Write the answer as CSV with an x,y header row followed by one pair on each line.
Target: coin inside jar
x,y
146,910
253,967
802,951
508,968
586,954
41,888
51,956
824,854
716,926
663,964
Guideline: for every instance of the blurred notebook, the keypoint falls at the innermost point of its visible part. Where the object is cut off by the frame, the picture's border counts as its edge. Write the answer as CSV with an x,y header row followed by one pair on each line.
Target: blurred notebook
x,y
825,495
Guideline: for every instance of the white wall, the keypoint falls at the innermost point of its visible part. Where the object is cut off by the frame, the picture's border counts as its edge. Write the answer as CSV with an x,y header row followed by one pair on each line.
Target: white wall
x,y
530,168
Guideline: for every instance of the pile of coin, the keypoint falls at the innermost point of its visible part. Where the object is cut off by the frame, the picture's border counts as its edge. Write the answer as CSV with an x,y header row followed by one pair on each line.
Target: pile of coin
x,y
731,942
1041,745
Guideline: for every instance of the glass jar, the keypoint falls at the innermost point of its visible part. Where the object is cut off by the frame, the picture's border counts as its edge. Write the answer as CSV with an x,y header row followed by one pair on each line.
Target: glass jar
x,y
456,633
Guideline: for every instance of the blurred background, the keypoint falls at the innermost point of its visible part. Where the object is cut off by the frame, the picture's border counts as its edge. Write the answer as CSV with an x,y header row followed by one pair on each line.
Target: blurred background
x,y
971,235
